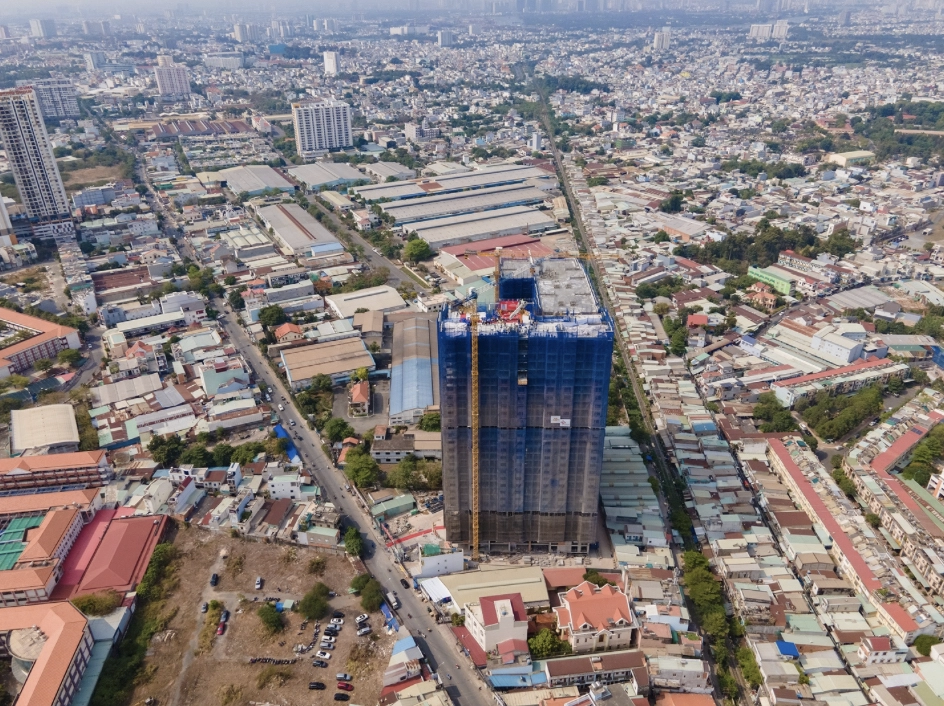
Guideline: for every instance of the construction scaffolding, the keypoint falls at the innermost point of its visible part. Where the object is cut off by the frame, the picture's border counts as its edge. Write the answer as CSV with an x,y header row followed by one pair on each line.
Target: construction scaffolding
x,y
544,357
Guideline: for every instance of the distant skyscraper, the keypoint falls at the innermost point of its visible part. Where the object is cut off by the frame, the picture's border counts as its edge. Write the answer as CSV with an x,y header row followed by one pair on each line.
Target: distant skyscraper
x,y
845,18
57,98
246,33
781,29
662,40
35,172
43,28
332,63
5,225
96,28
172,81
444,38
544,353
94,60
321,125
761,31
4,32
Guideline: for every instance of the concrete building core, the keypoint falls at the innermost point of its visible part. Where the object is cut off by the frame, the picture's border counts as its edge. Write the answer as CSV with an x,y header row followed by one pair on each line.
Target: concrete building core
x,y
544,358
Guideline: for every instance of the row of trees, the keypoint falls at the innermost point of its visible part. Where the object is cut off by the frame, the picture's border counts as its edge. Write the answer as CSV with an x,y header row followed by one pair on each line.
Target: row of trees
x,y
832,417
171,451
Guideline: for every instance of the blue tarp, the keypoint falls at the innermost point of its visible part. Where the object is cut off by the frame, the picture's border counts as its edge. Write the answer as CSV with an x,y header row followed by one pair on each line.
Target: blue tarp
x,y
390,621
290,450
279,606
402,645
788,649
517,681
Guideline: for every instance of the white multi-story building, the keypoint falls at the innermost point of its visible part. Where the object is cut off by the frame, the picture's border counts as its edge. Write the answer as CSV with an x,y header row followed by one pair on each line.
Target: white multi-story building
x,y
761,31
225,60
172,80
246,33
332,63
445,38
43,28
495,620
321,125
662,40
781,29
56,96
35,172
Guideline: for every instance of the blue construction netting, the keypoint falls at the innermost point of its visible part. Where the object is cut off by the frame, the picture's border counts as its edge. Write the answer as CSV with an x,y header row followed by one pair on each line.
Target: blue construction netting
x,y
290,449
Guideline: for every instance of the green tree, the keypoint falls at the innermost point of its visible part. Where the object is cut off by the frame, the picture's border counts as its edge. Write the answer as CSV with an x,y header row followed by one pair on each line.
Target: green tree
x,y
896,386
222,455
417,250
246,453
679,342
166,450
372,596
314,604
272,316
924,643
873,519
198,456
271,618
353,542
69,356
361,468
546,644
337,430
596,578
431,421
43,364
235,298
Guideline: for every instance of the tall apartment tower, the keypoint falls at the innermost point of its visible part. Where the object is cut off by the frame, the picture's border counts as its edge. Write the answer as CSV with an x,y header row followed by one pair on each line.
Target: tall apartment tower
x,y
662,40
95,60
781,29
246,33
544,356
35,172
57,97
172,80
321,125
332,63
43,28
445,38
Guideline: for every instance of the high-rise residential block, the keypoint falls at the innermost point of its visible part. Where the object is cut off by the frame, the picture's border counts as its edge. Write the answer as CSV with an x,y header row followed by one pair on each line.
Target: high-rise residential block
x,y
4,32
94,28
761,32
27,145
43,28
321,125
332,63
172,81
445,38
57,97
661,41
544,354
781,29
95,60
246,33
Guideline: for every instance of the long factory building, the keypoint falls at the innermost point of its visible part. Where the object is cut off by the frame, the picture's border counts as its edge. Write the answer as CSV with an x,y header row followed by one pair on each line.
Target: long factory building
x,y
408,211
484,178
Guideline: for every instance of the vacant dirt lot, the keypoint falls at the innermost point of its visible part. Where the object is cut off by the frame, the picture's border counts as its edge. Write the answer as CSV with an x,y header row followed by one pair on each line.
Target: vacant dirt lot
x,y
91,176
222,674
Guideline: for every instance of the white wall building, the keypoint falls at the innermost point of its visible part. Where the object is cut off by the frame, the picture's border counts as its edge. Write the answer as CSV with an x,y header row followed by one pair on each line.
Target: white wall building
x,y
321,125
496,619
172,81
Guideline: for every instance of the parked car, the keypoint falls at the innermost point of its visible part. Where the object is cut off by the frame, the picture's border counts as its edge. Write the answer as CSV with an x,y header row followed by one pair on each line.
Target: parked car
x,y
281,408
345,686
362,618
224,616
364,631
204,607
319,663
221,628
291,422
343,676
404,583
214,579
323,655
329,639
342,697
337,621
259,583
327,646
331,631
316,686
338,614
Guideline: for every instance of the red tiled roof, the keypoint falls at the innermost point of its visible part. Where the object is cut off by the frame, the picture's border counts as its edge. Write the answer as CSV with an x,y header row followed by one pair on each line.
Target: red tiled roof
x,y
490,614
840,538
902,445
900,616
123,554
844,370
476,653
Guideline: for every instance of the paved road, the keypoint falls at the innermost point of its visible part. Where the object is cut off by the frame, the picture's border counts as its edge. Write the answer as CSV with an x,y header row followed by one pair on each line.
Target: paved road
x,y
436,641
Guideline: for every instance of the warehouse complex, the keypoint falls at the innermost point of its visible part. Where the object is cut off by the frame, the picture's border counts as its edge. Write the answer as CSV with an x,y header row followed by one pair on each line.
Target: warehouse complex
x,y
544,357
414,375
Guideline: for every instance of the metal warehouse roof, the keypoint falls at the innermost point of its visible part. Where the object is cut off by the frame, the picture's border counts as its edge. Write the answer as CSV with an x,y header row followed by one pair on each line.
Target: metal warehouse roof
x,y
414,377
440,205
478,179
478,226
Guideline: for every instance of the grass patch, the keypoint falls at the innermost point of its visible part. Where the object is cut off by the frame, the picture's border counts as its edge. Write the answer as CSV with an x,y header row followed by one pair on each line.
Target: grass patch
x,y
98,603
273,675
230,694
271,618
424,284
234,564
208,631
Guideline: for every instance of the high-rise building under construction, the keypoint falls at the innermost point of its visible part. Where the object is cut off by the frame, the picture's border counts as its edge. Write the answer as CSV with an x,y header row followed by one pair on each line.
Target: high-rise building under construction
x,y
540,357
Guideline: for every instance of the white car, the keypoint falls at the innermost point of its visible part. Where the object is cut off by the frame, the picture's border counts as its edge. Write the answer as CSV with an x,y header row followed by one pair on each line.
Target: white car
x,y
337,621
364,631
362,618
330,640
281,408
323,655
